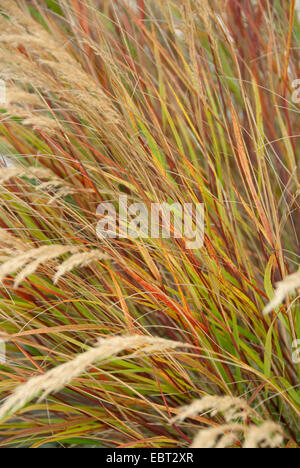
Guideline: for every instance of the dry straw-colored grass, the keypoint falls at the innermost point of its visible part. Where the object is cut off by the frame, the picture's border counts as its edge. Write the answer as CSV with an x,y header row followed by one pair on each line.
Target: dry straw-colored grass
x,y
232,408
81,259
268,435
57,378
60,187
236,413
218,437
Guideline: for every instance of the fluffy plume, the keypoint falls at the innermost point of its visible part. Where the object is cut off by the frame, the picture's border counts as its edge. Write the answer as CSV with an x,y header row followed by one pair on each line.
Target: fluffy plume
x,y
60,186
268,435
31,260
41,122
83,87
7,239
16,95
23,30
288,286
232,408
57,378
40,256
78,260
83,90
